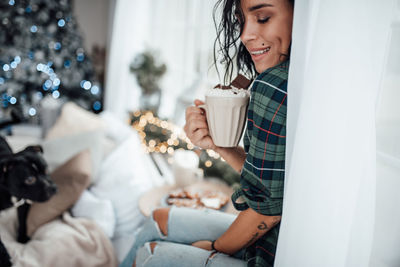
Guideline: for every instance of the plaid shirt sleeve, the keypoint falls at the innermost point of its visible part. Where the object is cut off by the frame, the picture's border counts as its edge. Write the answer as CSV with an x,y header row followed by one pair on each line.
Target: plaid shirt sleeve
x,y
263,173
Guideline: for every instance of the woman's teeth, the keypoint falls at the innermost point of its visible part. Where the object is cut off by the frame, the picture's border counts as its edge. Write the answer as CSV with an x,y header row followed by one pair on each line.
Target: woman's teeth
x,y
260,52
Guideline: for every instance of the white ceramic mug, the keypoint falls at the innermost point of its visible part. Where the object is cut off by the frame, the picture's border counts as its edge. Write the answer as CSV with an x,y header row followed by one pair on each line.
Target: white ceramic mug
x,y
186,168
226,117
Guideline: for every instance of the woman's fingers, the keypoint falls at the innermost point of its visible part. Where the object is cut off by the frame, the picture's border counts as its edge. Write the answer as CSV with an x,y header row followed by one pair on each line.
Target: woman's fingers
x,y
204,244
198,102
196,127
190,111
196,134
200,134
197,122
194,120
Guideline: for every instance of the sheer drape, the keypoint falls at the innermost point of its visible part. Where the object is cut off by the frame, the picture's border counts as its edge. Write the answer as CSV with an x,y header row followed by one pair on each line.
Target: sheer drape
x,y
128,38
338,58
385,250
181,31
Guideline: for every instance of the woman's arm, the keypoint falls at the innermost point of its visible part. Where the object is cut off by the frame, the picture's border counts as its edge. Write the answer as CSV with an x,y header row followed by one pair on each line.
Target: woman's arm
x,y
247,228
234,156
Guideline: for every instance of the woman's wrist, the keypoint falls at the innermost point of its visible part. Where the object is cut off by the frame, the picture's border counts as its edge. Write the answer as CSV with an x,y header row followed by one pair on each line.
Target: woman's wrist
x,y
234,156
213,245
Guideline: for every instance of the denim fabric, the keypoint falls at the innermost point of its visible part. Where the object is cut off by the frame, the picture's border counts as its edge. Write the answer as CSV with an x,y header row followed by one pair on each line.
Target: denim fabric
x,y
185,226
167,254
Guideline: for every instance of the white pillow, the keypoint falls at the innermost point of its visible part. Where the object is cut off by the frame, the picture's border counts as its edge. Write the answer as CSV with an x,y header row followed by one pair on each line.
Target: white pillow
x,y
59,150
74,120
18,143
124,176
116,129
99,210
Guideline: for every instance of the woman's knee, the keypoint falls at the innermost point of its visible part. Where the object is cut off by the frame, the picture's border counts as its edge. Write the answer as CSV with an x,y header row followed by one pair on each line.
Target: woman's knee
x,y
144,253
160,216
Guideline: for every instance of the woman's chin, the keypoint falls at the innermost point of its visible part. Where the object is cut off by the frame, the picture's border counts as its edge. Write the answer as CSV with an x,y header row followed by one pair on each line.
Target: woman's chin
x,y
263,67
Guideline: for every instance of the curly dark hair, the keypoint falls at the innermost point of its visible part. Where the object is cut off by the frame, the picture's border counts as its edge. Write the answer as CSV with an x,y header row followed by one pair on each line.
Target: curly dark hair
x,y
229,30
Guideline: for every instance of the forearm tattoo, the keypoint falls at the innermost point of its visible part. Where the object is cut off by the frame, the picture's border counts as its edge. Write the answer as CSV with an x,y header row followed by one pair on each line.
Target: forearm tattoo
x,y
262,226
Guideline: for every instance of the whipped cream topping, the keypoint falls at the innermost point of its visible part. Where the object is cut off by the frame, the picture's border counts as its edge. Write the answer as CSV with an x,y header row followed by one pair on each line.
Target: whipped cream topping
x,y
234,92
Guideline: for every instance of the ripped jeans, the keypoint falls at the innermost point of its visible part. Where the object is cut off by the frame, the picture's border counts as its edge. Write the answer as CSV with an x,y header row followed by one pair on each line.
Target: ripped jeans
x,y
185,226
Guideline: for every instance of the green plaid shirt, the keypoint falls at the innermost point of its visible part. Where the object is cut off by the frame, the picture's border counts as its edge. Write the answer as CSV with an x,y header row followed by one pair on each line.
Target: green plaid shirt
x,y
262,177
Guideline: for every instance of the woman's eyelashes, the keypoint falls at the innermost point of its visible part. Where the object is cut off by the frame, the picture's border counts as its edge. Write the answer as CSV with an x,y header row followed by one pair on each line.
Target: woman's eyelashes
x,y
263,20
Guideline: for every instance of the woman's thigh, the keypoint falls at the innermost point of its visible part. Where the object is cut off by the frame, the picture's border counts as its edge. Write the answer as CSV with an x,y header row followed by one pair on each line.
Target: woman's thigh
x,y
189,225
172,254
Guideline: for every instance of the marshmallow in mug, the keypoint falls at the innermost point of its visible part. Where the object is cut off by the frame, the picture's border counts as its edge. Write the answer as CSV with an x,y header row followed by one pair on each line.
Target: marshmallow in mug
x,y
234,92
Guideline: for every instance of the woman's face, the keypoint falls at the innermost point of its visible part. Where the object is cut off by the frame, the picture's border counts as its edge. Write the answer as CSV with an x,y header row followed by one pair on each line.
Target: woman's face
x,y
267,31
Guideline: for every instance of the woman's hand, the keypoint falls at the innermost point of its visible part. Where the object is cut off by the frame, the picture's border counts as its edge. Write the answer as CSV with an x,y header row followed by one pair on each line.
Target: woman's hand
x,y
204,244
196,127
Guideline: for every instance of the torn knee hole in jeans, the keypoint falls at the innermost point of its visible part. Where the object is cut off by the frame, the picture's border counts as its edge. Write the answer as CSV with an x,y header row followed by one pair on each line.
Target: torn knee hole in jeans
x,y
152,247
160,217
212,255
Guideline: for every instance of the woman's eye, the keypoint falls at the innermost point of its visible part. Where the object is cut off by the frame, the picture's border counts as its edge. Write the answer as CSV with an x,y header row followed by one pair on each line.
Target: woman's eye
x,y
263,20
30,180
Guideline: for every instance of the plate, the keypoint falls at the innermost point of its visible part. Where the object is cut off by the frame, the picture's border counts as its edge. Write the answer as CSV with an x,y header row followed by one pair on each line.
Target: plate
x,y
199,199
157,197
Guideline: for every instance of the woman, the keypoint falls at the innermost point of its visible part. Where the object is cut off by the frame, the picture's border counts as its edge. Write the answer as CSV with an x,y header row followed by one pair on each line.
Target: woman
x,y
184,237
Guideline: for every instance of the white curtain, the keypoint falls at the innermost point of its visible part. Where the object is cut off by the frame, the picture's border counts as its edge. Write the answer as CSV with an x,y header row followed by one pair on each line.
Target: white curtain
x,y
181,31
339,52
128,37
387,223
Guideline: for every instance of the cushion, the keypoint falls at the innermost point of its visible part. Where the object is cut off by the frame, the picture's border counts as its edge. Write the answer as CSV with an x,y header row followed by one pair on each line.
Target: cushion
x,y
99,210
116,129
58,150
72,179
18,142
127,173
73,120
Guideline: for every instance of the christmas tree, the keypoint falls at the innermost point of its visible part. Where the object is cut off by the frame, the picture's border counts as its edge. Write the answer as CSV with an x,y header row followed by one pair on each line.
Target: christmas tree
x,y
41,53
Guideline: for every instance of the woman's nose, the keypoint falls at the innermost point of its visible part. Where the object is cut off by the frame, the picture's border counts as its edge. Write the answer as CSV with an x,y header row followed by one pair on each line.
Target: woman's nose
x,y
248,33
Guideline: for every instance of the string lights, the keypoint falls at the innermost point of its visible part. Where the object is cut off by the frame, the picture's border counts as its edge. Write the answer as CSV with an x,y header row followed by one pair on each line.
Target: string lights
x,y
162,136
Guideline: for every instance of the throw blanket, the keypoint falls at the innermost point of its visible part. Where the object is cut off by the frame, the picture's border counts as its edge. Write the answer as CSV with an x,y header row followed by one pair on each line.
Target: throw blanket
x,y
67,241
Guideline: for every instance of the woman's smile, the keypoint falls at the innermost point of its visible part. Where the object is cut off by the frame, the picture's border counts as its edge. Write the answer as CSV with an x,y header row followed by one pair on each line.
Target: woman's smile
x,y
259,54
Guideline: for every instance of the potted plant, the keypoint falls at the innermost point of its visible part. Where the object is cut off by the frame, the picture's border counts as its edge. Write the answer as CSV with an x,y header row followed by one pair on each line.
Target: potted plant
x,y
148,74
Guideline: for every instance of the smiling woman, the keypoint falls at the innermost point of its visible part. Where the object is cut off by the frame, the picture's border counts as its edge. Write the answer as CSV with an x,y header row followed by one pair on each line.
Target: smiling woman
x,y
187,237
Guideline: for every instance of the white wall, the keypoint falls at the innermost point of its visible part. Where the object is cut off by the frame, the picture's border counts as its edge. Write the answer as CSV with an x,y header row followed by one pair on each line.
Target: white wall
x,y
93,20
